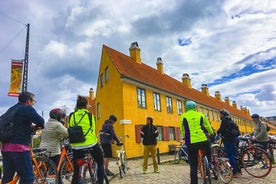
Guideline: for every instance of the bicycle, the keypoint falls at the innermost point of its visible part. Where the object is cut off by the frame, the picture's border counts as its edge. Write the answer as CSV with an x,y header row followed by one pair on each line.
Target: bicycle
x,y
270,150
65,167
181,153
203,167
122,158
222,167
88,169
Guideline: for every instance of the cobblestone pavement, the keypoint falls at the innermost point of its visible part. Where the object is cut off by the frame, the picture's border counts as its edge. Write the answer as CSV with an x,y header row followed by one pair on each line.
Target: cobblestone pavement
x,y
173,174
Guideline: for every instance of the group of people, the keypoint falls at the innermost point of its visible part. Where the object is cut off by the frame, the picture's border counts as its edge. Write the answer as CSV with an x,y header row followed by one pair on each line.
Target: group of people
x,y
16,152
194,127
197,133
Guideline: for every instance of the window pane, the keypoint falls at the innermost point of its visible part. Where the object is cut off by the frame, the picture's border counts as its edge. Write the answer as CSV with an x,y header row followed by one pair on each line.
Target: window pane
x,y
156,102
179,107
106,74
141,98
160,131
169,104
172,135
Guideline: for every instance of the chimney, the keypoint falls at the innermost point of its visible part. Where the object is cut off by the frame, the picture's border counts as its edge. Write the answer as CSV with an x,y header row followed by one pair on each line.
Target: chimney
x,y
204,89
227,101
186,80
217,95
159,65
91,94
234,104
134,52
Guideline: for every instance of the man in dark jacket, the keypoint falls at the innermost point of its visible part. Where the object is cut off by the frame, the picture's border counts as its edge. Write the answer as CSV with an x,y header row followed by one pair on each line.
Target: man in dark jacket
x,y
16,153
149,133
228,139
107,137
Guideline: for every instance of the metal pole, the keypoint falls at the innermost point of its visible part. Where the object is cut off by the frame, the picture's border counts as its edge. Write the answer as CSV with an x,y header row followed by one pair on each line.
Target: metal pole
x,y
25,68
158,155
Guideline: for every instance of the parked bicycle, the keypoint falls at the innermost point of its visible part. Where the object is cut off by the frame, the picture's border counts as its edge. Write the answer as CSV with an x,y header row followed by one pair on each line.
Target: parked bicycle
x,y
122,157
181,153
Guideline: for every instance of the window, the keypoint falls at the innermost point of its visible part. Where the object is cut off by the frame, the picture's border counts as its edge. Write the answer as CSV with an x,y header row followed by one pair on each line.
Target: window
x,y
102,80
212,115
106,72
160,131
98,111
156,102
172,133
201,110
207,114
141,98
179,106
169,104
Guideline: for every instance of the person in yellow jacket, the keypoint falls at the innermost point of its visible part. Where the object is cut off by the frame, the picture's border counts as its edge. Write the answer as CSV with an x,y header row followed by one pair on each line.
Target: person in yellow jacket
x,y
194,128
82,118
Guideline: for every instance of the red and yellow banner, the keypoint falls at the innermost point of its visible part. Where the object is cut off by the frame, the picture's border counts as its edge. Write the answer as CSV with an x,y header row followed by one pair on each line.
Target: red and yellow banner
x,y
16,78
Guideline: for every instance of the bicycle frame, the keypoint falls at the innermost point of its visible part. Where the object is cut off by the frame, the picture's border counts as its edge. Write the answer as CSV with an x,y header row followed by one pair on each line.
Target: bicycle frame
x,y
203,167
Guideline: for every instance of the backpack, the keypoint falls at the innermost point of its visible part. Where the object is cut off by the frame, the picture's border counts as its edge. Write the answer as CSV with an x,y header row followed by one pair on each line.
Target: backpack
x,y
75,132
7,124
234,129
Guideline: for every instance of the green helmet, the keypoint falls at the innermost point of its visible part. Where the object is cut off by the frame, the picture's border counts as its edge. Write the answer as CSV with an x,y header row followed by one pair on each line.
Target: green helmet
x,y
190,105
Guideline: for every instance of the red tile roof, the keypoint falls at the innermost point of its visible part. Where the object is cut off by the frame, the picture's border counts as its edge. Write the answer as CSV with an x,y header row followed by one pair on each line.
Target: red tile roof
x,y
145,74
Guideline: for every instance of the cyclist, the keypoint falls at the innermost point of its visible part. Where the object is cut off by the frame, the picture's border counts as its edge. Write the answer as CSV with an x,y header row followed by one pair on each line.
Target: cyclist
x,y
260,134
229,140
191,128
16,153
53,132
81,116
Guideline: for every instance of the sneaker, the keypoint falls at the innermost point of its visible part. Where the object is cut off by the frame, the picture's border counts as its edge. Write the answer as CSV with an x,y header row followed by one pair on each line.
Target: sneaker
x,y
156,171
145,172
109,173
236,175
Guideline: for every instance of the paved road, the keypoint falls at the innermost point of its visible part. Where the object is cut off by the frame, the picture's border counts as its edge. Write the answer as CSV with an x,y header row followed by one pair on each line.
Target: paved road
x,y
174,174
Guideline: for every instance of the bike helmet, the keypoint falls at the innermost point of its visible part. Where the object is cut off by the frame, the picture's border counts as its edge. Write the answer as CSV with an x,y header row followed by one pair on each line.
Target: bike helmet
x,y
57,114
224,112
255,116
190,105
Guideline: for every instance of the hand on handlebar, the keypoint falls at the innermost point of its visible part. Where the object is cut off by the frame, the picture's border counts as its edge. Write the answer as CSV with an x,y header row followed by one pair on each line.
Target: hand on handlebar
x,y
119,144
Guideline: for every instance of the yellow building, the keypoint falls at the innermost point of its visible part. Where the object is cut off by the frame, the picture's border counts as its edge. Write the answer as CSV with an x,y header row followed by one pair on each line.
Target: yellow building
x,y
132,91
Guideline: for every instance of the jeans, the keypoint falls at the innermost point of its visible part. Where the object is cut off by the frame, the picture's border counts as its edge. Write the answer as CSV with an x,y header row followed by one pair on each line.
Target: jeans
x,y
230,151
97,154
150,149
19,162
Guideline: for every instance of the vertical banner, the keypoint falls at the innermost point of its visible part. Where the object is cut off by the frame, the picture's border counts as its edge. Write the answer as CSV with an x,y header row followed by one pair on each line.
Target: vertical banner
x,y
16,78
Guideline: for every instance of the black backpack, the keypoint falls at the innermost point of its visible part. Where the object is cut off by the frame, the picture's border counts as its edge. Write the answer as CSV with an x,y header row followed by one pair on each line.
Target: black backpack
x,y
234,129
7,124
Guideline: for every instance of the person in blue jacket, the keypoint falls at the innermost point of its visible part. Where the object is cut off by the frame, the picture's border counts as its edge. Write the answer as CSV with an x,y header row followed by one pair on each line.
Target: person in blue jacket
x,y
107,137
16,152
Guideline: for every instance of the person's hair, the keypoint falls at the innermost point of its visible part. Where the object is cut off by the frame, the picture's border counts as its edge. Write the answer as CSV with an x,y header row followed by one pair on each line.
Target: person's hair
x,y
255,116
151,119
57,114
224,112
25,96
190,105
112,117
81,103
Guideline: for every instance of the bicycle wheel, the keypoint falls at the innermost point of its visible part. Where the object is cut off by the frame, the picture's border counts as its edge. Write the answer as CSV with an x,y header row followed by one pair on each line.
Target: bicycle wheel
x,y
66,172
177,156
124,162
256,162
86,175
46,171
207,179
120,164
224,171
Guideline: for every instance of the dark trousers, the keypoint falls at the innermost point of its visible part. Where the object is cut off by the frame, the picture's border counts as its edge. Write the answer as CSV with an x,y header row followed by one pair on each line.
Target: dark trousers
x,y
193,158
19,162
97,154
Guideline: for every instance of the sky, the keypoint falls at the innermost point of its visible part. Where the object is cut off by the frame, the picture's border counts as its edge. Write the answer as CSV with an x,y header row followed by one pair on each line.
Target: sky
x,y
228,45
